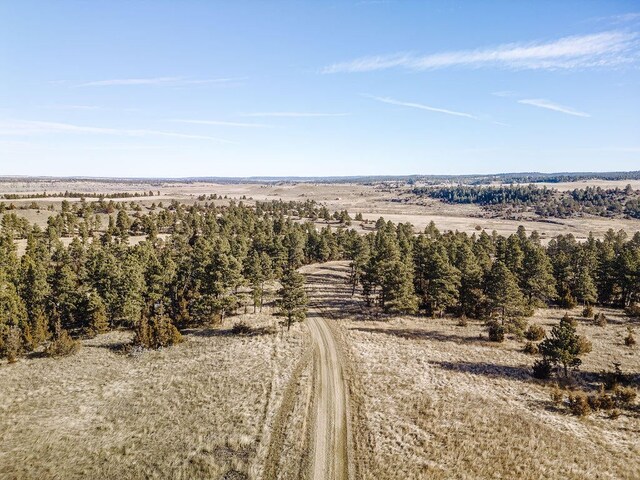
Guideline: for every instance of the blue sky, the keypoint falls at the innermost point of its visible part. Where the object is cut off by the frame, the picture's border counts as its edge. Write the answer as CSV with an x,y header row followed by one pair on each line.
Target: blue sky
x,y
206,88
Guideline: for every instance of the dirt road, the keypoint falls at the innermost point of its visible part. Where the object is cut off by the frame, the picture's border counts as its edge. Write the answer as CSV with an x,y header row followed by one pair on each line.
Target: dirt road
x,y
329,459
330,455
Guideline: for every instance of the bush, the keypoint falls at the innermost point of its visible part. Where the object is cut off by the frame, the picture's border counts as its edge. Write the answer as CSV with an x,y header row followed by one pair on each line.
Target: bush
x,y
584,345
587,312
157,332
463,321
62,345
629,340
566,318
530,348
633,310
517,327
496,332
241,328
557,396
567,301
11,344
600,320
542,369
535,333
612,379
579,404
624,396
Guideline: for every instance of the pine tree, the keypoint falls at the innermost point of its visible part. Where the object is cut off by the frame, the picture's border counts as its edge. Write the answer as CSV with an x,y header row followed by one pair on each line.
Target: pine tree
x,y
504,295
94,314
562,346
293,299
538,283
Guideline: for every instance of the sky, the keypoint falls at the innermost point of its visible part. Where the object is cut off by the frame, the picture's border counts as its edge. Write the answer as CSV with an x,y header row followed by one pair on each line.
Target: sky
x,y
318,88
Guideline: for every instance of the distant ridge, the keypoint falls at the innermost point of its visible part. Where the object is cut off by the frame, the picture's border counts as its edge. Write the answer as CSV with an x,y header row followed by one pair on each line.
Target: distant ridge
x,y
515,177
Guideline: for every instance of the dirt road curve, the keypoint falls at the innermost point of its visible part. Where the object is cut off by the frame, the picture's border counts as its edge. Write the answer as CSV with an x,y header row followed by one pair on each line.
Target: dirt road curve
x,y
329,460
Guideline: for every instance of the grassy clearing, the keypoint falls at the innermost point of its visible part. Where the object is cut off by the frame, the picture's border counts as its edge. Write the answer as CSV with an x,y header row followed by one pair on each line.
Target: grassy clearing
x,y
440,402
202,409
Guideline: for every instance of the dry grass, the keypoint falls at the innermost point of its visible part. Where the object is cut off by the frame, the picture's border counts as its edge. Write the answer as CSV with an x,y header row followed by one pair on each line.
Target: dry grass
x,y
202,409
441,403
434,400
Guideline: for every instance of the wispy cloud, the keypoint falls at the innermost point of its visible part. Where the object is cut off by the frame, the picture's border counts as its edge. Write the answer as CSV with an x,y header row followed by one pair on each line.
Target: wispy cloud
x,y
422,107
293,114
31,127
157,81
542,103
223,123
505,93
578,51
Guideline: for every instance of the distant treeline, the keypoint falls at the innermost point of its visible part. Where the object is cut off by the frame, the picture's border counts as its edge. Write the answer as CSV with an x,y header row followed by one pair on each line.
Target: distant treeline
x,y
543,201
67,194
524,177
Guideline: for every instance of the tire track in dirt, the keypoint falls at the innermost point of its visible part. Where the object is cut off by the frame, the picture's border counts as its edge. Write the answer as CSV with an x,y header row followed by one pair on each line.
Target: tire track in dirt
x,y
330,453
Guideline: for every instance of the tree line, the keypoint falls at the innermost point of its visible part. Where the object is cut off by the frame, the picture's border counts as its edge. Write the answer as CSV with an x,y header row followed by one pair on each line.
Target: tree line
x,y
543,201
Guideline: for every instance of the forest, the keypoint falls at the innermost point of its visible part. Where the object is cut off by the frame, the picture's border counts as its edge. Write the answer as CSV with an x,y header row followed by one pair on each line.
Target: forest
x,y
543,201
201,263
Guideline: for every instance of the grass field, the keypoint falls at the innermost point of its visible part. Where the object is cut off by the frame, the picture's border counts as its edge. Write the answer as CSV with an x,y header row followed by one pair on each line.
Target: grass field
x,y
202,409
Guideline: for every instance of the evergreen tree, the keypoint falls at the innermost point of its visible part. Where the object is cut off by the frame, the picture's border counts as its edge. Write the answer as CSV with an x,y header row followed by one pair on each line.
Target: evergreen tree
x,y
563,346
503,293
293,299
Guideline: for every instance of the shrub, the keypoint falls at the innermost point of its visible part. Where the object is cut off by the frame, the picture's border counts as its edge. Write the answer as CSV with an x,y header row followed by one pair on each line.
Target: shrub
x,y
624,395
567,301
579,404
614,414
633,310
530,348
463,321
600,320
587,312
241,328
542,369
157,332
566,318
517,327
62,344
629,340
611,379
496,332
11,345
584,345
557,396
535,333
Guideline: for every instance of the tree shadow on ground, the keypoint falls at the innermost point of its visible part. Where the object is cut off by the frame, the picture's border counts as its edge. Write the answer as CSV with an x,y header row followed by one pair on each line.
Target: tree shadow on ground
x,y
417,334
228,332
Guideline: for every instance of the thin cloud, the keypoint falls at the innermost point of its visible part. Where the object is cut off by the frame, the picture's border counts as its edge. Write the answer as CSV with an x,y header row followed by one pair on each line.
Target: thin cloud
x,y
505,94
578,51
421,106
223,123
30,127
542,103
293,114
156,81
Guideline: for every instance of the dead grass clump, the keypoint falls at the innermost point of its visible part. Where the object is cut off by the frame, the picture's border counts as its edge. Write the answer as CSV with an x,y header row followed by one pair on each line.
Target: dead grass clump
x,y
535,333
579,404
630,339
463,321
600,319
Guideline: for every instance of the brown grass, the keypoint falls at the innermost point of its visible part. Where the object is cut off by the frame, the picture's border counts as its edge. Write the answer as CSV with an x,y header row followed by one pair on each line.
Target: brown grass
x,y
202,409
